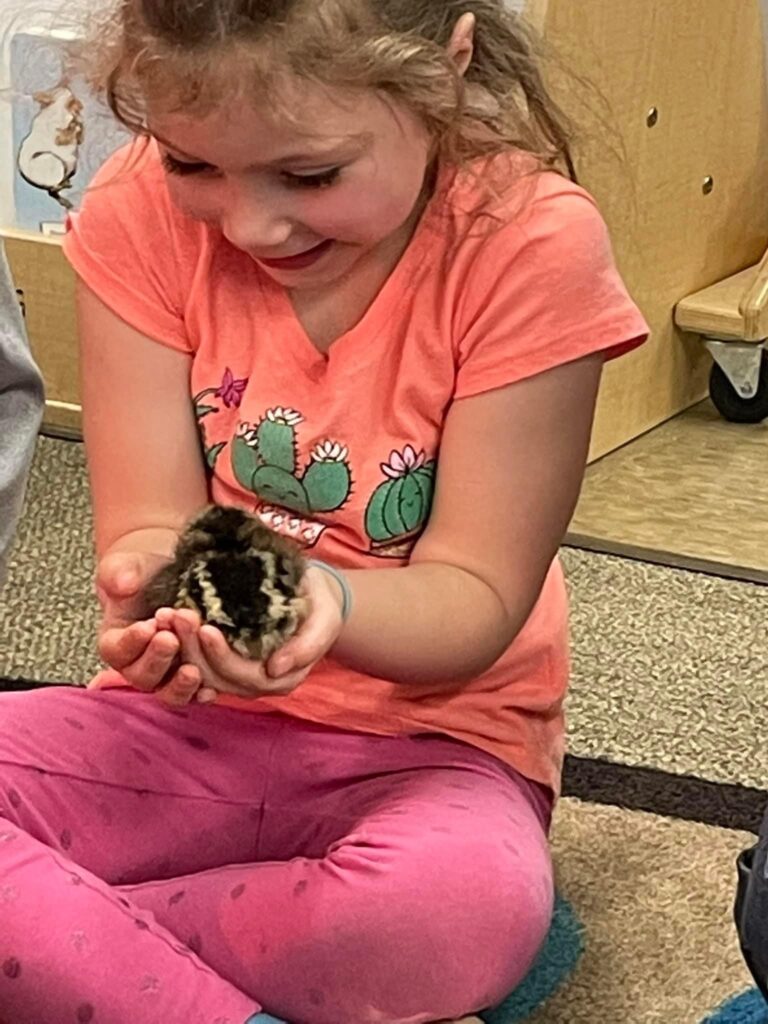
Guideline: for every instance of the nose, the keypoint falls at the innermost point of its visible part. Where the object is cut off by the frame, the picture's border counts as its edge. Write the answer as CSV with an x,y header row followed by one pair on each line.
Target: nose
x,y
255,219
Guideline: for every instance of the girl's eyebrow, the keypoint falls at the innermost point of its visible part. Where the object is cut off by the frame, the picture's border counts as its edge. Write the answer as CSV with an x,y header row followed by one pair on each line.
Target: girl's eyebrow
x,y
357,141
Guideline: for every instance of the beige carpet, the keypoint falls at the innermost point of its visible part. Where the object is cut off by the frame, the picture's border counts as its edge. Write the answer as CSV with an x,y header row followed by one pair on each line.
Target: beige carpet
x,y
692,493
656,897
669,668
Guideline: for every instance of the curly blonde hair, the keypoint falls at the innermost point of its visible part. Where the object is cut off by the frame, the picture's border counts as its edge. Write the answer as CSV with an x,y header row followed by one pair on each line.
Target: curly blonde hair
x,y
182,51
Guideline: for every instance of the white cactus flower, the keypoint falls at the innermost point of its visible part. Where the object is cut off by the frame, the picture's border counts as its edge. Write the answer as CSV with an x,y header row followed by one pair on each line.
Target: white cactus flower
x,y
288,416
330,451
247,433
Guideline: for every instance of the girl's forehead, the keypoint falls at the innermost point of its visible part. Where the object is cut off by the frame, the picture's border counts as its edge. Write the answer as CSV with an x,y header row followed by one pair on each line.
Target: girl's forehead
x,y
234,128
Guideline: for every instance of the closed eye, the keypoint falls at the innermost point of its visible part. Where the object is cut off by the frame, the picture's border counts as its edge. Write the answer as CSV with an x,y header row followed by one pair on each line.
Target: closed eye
x,y
182,167
322,180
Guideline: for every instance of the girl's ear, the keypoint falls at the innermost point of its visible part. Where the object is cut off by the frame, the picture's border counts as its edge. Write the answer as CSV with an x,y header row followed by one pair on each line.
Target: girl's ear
x,y
461,46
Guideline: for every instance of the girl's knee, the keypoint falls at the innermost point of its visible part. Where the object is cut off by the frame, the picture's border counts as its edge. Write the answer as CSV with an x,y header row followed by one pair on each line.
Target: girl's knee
x,y
456,943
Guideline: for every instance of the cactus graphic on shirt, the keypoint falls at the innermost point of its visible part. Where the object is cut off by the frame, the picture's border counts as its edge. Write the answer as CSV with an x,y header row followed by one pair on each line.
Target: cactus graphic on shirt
x,y
400,507
265,461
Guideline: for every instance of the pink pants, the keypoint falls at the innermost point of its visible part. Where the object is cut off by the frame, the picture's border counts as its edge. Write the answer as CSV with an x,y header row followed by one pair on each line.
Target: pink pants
x,y
193,866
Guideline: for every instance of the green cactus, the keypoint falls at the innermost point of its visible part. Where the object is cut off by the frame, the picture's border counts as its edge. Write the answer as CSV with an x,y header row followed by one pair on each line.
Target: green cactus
x,y
328,485
402,504
277,444
245,457
264,462
277,487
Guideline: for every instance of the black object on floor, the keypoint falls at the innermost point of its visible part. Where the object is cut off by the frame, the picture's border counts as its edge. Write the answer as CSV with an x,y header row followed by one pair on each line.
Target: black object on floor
x,y
24,684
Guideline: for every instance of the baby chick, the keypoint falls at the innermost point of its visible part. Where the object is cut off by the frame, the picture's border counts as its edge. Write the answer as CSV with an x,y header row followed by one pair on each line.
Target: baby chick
x,y
239,576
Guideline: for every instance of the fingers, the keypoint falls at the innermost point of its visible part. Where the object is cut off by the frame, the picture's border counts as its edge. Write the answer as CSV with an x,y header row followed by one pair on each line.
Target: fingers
x,y
149,670
182,688
119,646
183,685
164,618
285,684
218,669
235,674
186,625
161,655
303,650
317,634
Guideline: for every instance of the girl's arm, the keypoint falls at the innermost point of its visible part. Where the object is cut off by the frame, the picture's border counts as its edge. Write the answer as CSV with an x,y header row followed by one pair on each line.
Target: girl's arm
x,y
144,458
510,470
147,479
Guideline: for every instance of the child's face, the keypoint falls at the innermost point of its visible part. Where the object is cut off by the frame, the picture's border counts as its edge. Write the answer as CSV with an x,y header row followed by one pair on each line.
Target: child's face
x,y
315,197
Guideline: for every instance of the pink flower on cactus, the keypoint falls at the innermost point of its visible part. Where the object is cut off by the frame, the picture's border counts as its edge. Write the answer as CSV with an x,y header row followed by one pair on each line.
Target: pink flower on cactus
x,y
403,464
231,390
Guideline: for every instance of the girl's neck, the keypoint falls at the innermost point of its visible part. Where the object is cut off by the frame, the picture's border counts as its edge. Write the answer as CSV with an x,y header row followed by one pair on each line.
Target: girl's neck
x,y
329,313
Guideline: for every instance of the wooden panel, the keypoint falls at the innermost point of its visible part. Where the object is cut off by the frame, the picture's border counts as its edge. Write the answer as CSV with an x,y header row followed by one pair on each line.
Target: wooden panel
x,y
715,311
47,284
535,13
701,66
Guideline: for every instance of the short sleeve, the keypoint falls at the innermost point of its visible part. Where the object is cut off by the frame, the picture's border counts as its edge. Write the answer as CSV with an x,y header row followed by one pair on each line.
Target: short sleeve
x,y
125,245
541,291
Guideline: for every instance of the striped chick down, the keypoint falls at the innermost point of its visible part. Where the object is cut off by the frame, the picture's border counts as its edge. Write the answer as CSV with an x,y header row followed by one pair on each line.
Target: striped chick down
x,y
239,576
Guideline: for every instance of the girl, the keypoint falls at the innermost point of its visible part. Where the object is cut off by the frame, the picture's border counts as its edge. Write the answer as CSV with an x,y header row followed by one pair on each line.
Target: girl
x,y
344,285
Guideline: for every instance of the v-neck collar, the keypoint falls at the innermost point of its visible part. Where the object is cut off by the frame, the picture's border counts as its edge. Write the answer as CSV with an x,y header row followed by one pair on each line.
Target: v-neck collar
x,y
404,277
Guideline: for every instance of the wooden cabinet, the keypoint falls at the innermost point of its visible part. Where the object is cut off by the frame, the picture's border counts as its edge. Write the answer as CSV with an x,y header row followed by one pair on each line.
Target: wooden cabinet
x,y
675,149
46,286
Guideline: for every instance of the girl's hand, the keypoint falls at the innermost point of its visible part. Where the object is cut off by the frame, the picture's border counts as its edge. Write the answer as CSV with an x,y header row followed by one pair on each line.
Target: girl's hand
x,y
132,645
224,671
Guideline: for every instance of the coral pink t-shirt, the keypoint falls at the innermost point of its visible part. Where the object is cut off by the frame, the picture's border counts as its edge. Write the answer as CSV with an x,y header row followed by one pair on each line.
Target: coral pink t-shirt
x,y
340,451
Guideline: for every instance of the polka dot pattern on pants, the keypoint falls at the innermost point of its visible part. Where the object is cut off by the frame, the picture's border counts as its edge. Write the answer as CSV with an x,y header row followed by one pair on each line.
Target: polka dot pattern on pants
x,y
12,968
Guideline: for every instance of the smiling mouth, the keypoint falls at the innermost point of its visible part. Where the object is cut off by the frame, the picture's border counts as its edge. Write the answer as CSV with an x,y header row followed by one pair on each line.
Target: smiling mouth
x,y
300,260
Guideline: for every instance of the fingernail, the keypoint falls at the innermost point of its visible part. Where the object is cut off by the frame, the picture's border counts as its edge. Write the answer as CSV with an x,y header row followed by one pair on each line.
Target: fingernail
x,y
279,668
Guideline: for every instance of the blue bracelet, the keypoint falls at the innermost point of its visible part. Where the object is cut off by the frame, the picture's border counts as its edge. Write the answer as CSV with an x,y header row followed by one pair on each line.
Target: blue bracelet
x,y
341,579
